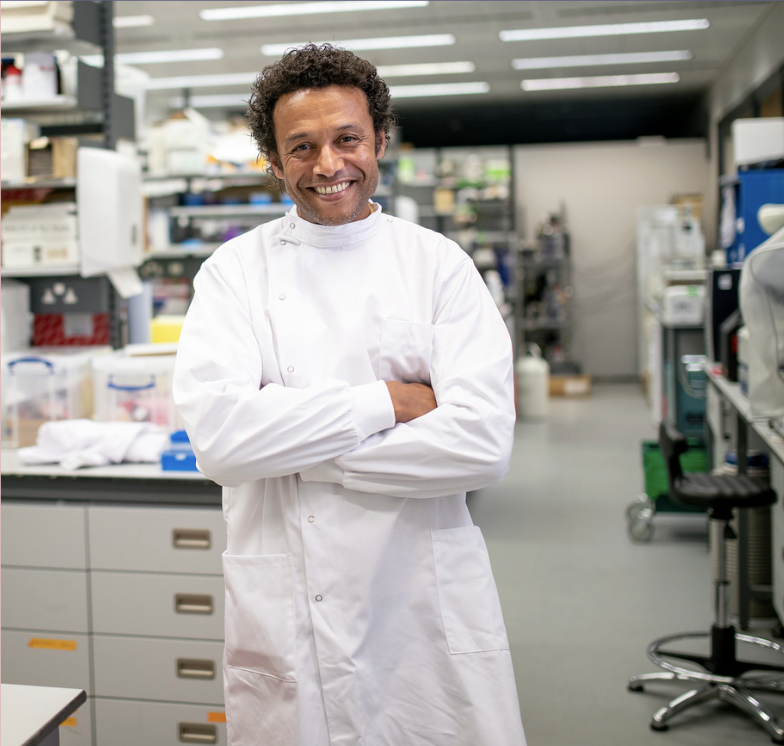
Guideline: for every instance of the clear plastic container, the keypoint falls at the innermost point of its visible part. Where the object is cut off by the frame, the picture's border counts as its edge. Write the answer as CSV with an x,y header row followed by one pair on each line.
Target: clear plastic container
x,y
135,388
43,384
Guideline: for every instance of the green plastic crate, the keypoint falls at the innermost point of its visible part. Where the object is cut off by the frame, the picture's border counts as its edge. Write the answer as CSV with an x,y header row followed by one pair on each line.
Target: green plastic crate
x,y
656,487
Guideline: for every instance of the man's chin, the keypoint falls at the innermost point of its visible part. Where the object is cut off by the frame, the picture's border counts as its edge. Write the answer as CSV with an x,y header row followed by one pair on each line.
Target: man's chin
x,y
339,216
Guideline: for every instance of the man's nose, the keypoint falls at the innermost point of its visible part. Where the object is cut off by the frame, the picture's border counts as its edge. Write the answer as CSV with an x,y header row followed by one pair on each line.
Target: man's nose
x,y
328,162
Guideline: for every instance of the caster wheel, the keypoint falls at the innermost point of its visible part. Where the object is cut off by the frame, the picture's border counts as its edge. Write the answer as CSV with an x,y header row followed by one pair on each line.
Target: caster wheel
x,y
641,530
635,688
659,726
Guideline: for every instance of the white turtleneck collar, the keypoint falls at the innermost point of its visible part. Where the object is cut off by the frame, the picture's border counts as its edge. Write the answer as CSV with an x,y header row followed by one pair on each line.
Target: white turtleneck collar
x,y
298,230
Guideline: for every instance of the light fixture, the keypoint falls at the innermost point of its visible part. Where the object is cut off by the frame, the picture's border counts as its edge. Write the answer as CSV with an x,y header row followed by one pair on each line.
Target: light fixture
x,y
588,60
384,42
301,9
219,100
200,81
151,58
132,21
438,89
606,29
602,81
427,68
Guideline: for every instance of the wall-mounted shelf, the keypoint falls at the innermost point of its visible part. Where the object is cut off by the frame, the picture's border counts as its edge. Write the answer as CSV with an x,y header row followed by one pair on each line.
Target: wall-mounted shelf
x,y
32,183
223,211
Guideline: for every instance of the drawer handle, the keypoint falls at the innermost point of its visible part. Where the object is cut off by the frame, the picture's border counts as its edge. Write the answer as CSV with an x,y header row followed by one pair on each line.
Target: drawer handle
x,y
191,538
188,603
198,733
194,668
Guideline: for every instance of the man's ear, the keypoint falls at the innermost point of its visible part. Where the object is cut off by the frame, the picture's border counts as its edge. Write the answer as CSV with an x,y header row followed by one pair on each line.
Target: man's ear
x,y
275,163
381,145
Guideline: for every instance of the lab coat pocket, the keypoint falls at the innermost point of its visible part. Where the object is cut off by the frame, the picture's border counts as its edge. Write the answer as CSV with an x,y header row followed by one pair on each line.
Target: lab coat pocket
x,y
406,347
470,608
260,626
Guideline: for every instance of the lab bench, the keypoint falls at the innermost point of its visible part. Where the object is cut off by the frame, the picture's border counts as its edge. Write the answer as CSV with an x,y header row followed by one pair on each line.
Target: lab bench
x,y
112,583
730,418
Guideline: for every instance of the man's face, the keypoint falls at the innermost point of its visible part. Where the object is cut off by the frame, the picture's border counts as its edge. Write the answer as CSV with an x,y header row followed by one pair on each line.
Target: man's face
x,y
327,153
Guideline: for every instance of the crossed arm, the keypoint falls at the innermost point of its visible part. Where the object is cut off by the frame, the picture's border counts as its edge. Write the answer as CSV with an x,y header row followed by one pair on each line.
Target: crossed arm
x,y
411,400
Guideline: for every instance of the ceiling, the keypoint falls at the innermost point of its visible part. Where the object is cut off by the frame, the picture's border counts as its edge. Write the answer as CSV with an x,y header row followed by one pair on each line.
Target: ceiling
x,y
504,114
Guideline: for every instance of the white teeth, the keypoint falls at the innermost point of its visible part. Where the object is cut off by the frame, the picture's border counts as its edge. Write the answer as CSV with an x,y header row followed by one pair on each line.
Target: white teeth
x,y
332,189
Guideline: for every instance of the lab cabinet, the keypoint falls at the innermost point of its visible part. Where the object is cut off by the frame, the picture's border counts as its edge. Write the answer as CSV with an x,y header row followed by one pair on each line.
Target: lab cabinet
x,y
45,599
115,586
173,670
39,658
184,606
151,539
130,723
44,536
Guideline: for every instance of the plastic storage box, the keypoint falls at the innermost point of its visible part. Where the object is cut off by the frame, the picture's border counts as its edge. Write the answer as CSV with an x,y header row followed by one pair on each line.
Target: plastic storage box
x,y
134,387
43,384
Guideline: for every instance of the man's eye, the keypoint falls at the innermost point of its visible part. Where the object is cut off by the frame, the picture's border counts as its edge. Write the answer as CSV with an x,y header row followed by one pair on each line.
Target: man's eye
x,y
300,147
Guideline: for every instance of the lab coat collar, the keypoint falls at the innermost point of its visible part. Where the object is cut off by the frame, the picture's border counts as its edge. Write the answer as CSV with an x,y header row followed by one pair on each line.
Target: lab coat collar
x,y
297,230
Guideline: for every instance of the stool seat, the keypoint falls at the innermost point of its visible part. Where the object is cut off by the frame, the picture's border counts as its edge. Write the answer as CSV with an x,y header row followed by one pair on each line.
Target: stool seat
x,y
722,491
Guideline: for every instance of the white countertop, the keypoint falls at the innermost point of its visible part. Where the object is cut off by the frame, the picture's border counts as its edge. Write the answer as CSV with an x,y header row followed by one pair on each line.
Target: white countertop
x,y
11,465
28,714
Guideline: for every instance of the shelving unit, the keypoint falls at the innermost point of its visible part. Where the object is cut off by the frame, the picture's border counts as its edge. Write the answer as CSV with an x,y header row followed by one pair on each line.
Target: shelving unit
x,y
544,281
466,194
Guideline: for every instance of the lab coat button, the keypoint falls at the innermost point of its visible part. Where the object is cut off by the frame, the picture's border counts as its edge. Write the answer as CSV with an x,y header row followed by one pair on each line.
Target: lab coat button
x,y
291,225
290,369
311,518
282,243
281,297
318,598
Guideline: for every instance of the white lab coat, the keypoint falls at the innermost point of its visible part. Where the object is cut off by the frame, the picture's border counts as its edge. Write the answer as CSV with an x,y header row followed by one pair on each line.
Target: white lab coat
x,y
361,608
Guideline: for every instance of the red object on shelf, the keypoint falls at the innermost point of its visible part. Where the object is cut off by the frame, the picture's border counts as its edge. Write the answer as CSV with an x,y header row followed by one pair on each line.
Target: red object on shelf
x,y
49,329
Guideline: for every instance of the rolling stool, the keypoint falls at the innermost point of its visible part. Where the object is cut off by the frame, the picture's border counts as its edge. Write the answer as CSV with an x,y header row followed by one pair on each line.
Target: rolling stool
x,y
724,676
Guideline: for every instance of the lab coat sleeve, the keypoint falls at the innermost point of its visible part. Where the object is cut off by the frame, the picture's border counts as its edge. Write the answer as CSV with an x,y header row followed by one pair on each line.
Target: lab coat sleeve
x,y
241,431
465,443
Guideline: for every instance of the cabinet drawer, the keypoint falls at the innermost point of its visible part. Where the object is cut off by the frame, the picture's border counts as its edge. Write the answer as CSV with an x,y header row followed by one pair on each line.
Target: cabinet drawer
x,y
169,670
77,730
182,606
45,599
187,540
123,723
44,536
46,659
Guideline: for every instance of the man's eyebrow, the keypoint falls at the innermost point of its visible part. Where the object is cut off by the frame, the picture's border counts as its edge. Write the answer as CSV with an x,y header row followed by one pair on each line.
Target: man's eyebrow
x,y
304,135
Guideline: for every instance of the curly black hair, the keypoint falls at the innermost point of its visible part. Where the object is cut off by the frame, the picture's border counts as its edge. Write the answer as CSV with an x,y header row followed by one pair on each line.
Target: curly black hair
x,y
314,66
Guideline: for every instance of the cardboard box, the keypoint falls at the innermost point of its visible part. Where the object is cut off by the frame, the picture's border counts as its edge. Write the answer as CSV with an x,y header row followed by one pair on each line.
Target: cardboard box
x,y
14,136
52,158
571,385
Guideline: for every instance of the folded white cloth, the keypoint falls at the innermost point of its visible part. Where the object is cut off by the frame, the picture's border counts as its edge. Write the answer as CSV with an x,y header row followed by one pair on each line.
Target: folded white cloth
x,y
75,443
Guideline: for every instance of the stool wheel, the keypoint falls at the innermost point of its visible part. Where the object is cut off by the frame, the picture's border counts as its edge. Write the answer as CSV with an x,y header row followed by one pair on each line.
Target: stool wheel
x,y
636,688
660,727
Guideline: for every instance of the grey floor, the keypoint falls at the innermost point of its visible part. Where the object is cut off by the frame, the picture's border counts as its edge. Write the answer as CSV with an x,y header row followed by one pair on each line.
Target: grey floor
x,y
581,600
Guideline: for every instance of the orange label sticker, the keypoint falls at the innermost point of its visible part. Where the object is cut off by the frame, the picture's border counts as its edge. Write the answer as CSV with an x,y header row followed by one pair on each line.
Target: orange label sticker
x,y
41,642
216,717
71,722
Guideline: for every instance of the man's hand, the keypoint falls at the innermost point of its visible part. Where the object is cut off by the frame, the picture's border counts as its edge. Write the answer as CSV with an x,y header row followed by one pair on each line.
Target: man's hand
x,y
411,400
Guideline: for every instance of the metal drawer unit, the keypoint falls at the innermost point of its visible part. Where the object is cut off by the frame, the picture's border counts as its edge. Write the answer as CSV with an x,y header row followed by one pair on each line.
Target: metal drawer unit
x,y
178,606
123,723
46,614
151,539
188,671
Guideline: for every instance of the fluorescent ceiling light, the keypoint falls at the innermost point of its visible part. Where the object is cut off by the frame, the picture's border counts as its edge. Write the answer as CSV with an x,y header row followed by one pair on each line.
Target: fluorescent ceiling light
x,y
439,89
603,81
384,42
301,9
587,60
607,29
200,81
131,21
428,68
221,100
151,58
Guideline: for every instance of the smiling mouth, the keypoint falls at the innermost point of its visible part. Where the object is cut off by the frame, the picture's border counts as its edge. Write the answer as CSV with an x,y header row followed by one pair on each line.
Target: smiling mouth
x,y
334,189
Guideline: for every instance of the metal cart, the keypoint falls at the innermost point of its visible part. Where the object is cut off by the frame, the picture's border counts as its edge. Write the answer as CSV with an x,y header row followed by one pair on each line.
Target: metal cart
x,y
656,498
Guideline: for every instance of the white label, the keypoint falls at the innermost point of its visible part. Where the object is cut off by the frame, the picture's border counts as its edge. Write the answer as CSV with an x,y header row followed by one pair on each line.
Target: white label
x,y
725,282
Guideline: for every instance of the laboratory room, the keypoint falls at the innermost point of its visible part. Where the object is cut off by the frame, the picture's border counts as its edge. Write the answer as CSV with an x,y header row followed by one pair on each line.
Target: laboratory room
x,y
545,240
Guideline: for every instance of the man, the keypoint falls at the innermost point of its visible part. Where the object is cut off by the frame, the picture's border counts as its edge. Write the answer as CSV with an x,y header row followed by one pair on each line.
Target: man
x,y
346,377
